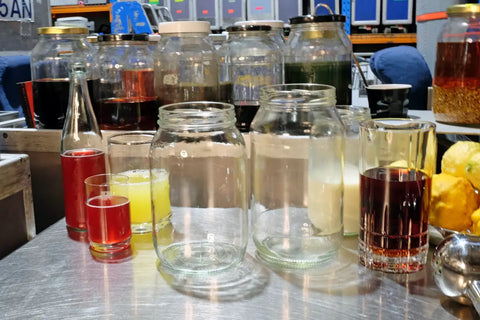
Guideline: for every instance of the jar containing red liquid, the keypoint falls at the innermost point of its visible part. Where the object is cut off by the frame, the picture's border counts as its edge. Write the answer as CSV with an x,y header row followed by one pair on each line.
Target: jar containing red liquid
x,y
49,61
125,97
456,84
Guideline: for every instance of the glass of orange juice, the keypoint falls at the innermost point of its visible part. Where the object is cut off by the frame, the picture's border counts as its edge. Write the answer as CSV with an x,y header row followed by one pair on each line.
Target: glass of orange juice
x,y
128,154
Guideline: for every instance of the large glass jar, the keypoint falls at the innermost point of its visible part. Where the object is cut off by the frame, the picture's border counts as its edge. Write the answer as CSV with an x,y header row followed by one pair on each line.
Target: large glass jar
x,y
457,67
125,96
49,60
198,173
319,51
249,61
297,141
186,63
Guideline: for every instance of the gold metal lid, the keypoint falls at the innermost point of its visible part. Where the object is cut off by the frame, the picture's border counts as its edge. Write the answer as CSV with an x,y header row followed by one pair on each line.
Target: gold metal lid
x,y
464,8
62,30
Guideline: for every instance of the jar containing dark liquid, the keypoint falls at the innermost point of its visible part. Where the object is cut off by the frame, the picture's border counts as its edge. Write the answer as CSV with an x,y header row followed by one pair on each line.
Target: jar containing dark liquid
x,y
319,51
125,97
50,58
186,63
249,61
456,82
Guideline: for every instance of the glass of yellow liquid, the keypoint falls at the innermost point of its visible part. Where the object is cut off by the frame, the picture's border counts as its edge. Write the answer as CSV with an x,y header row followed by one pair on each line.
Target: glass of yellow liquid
x,y
128,155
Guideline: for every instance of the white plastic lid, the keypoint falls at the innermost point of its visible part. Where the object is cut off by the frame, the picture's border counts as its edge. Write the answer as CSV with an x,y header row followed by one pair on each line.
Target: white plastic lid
x,y
271,23
184,26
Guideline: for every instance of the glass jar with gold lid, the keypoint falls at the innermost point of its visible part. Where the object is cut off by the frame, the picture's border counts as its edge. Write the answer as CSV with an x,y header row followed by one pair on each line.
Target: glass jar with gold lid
x,y
57,47
456,84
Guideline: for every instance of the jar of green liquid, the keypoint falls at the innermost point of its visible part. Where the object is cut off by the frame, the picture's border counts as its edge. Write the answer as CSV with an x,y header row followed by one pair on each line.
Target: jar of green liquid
x,y
319,51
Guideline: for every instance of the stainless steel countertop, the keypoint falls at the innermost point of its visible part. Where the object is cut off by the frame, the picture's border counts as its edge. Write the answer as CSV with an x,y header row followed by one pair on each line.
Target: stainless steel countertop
x,y
55,277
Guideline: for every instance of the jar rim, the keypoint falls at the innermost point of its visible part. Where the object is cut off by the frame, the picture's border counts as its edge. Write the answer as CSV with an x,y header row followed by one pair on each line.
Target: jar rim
x,y
298,95
196,114
396,124
463,8
319,18
62,30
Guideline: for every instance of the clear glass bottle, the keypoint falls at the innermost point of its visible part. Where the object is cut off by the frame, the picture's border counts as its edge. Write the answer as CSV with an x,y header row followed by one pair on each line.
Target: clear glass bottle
x,y
297,141
457,66
49,62
125,96
82,151
198,169
186,63
319,51
249,61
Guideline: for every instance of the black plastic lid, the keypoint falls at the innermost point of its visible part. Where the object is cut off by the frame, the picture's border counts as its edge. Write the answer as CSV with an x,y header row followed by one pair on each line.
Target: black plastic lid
x,y
321,18
140,37
249,27
116,37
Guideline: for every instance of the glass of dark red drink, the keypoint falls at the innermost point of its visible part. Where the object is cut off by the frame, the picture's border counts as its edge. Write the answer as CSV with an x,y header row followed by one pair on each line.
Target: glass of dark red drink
x,y
397,162
108,213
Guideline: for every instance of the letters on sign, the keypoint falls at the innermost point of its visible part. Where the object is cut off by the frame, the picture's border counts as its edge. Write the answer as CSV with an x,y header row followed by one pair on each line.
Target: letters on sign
x,y
16,10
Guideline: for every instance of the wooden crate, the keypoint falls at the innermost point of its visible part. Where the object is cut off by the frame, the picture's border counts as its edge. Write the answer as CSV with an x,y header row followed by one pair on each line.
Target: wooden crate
x,y
17,220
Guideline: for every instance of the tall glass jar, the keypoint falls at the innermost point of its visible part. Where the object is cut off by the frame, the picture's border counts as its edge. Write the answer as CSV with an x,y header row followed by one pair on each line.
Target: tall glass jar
x,y
457,66
297,156
198,166
319,51
125,96
186,63
249,61
49,60
351,117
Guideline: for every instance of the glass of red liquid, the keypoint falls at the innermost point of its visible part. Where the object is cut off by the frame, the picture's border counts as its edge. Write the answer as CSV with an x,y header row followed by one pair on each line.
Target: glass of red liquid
x,y
108,213
397,162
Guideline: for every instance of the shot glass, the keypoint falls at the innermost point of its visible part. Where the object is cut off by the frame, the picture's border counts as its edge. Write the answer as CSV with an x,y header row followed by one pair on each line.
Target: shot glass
x,y
108,213
128,155
397,162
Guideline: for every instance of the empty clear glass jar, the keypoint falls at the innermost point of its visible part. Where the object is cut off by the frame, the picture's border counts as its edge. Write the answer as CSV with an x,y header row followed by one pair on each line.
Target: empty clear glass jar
x,y
198,179
297,142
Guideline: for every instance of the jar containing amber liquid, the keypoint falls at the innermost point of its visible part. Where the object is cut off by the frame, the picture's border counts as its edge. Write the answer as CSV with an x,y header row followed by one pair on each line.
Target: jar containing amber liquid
x,y
456,84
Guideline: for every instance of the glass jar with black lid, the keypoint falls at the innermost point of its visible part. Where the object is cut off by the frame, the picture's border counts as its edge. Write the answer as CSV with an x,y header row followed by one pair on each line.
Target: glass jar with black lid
x,y
125,96
249,61
319,51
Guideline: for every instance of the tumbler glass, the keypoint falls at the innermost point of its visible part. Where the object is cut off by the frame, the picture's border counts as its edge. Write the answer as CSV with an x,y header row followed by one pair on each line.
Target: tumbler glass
x,y
108,213
199,159
128,155
297,159
397,162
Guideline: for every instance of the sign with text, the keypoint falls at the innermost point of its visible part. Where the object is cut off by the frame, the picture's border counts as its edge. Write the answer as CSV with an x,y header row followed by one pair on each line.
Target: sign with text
x,y
16,10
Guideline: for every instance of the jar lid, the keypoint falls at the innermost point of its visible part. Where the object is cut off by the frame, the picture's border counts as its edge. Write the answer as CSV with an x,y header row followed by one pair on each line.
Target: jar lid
x,y
321,18
249,27
116,37
92,38
464,8
140,37
184,27
62,30
271,23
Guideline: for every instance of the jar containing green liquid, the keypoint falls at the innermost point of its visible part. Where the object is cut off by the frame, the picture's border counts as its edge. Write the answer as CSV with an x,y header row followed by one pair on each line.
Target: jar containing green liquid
x,y
319,51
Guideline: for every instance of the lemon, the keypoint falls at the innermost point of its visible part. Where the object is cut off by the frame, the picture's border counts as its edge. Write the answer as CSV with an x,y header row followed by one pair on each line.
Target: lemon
x,y
456,157
476,222
472,170
452,203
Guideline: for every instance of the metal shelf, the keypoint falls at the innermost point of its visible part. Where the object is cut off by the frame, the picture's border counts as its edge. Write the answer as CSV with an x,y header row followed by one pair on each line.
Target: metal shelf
x,y
383,38
74,9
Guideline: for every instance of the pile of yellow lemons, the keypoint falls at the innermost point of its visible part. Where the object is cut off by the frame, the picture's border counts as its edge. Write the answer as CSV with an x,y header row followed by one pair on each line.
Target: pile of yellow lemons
x,y
455,202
